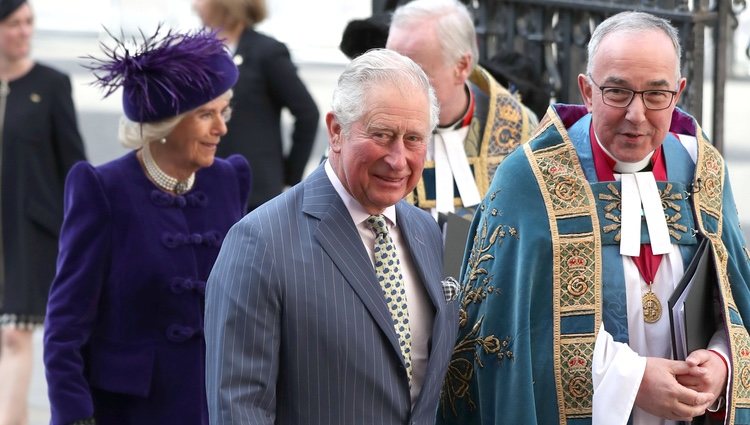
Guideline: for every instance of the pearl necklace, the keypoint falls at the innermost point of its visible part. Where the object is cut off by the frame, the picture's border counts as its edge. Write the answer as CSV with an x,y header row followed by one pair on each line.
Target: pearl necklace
x,y
162,179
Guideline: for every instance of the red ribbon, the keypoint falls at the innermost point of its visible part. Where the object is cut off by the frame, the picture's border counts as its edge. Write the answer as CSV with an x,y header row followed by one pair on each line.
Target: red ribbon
x,y
469,112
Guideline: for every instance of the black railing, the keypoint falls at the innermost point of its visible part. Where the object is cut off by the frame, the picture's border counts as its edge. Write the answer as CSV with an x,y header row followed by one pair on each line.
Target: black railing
x,y
552,35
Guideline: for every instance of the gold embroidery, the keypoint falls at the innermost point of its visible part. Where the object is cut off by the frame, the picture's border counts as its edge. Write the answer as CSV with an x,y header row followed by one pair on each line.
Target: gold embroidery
x,y
576,354
480,250
471,143
561,181
506,135
741,348
576,271
577,286
615,198
575,275
672,224
507,125
476,288
710,180
671,210
745,377
667,198
709,177
565,189
461,370
474,295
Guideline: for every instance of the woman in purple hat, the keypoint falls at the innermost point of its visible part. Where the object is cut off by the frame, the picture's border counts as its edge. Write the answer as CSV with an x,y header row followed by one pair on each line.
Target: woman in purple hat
x,y
123,339
39,142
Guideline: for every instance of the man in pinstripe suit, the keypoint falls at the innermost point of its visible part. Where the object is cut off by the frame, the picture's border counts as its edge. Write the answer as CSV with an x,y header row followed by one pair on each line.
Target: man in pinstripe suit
x,y
298,330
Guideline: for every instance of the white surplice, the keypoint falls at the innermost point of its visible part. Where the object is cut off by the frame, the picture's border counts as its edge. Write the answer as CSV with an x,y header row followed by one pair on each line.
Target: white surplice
x,y
618,368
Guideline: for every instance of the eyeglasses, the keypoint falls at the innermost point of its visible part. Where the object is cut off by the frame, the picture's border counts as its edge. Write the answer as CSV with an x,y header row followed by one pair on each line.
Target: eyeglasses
x,y
620,97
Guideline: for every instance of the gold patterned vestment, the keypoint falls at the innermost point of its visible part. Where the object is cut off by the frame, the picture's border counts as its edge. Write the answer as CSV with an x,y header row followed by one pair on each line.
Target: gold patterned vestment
x,y
543,273
500,124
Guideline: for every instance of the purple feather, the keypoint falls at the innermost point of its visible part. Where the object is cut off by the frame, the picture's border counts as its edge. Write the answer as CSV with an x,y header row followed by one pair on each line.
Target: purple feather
x,y
161,64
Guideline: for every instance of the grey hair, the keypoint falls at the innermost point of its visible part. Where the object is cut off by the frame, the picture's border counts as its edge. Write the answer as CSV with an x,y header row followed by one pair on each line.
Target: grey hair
x,y
134,135
373,68
632,22
453,24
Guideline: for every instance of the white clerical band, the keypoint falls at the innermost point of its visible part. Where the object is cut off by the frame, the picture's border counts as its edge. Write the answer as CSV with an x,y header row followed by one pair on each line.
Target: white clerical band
x,y
639,189
443,177
452,163
630,232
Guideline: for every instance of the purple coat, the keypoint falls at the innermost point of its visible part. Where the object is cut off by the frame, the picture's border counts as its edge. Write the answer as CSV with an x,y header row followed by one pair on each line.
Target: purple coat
x,y
124,327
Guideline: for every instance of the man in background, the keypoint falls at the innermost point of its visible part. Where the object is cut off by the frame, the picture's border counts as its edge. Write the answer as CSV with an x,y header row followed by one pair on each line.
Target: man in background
x,y
480,123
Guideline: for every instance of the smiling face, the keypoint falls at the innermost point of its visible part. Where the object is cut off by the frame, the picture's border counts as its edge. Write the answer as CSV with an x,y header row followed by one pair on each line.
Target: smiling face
x,y
636,61
380,159
16,31
192,143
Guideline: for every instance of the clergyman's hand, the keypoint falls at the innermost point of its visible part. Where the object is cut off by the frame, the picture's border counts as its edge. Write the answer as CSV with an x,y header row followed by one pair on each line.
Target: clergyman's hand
x,y
707,373
662,395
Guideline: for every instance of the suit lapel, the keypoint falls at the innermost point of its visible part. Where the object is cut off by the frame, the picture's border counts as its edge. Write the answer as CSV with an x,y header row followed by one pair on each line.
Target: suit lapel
x,y
411,231
340,239
446,314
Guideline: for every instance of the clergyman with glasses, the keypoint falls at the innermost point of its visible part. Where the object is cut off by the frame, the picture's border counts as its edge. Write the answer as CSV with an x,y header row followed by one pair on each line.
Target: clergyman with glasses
x,y
581,240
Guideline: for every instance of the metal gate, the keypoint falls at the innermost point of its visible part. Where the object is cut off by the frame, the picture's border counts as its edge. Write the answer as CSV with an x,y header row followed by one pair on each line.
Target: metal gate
x,y
553,35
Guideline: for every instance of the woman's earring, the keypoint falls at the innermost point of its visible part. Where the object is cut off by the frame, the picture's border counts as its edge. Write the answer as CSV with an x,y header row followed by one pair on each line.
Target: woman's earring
x,y
163,140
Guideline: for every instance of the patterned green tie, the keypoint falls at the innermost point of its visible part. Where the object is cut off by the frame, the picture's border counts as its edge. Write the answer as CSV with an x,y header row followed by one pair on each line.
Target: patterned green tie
x,y
388,271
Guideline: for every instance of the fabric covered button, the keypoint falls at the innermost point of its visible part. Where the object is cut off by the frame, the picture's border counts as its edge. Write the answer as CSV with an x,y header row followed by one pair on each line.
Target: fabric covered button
x,y
197,199
173,240
212,238
163,199
178,285
179,333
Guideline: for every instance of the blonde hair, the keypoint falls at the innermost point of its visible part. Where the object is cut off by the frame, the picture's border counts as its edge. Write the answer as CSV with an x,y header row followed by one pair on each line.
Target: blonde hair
x,y
232,14
134,135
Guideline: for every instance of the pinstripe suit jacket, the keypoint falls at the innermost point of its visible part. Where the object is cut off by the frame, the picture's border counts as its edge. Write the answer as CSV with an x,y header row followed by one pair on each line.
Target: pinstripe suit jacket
x,y
297,329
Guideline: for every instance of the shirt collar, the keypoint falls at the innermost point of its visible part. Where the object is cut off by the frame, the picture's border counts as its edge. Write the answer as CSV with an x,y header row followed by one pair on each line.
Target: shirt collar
x,y
621,166
356,210
465,120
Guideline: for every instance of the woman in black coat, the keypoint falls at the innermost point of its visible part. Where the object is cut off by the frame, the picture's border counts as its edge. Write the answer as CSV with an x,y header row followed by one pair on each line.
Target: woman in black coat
x,y
268,83
39,142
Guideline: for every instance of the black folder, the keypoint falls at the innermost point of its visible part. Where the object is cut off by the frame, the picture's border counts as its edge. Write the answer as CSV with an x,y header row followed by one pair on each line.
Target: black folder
x,y
455,234
691,306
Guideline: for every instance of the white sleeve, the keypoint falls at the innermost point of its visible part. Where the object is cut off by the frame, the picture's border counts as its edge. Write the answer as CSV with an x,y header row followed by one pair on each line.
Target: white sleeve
x,y
617,373
720,345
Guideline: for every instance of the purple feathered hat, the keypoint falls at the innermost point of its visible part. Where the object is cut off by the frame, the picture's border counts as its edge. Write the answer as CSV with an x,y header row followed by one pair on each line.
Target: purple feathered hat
x,y
166,75
9,6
